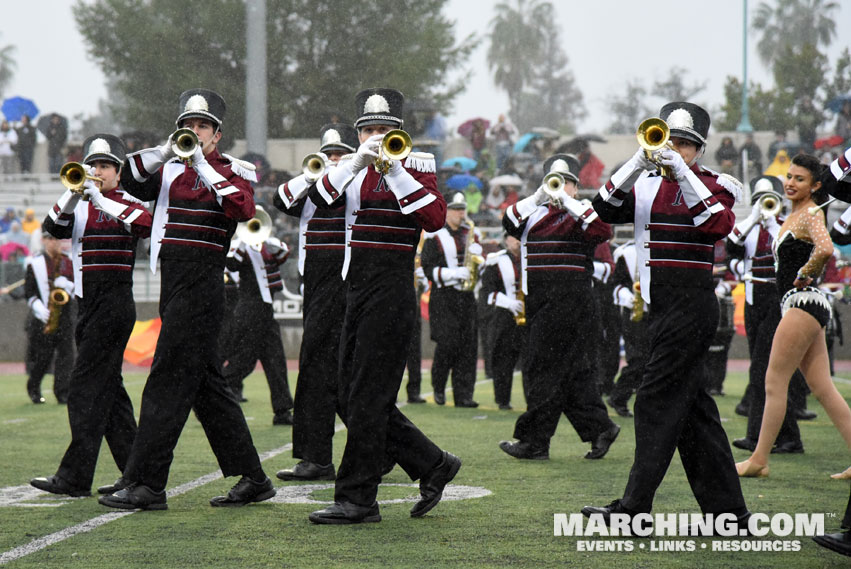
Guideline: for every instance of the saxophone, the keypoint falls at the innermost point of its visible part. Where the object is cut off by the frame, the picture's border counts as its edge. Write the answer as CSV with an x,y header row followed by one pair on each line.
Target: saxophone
x,y
637,302
471,261
520,317
57,298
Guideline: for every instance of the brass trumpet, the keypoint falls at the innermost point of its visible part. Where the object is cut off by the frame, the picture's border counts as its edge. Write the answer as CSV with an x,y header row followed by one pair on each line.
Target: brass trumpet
x,y
769,206
553,184
396,145
73,175
256,230
653,134
184,141
313,166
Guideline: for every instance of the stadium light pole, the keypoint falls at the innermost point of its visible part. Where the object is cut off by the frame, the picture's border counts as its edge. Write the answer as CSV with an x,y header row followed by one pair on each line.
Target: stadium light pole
x,y
745,123
255,76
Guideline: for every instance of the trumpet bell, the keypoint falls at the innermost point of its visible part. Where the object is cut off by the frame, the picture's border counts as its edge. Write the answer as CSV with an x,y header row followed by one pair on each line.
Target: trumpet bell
x,y
184,141
256,230
769,206
73,175
313,166
653,134
553,184
396,144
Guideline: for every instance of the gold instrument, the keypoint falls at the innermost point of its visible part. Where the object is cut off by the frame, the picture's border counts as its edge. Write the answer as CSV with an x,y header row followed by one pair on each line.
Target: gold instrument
x,y
520,317
637,302
769,206
73,175
313,166
553,184
256,230
184,141
56,299
396,145
472,262
654,134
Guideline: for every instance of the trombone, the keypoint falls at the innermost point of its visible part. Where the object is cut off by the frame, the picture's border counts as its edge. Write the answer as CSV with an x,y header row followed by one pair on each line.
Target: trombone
x,y
653,134
256,230
313,166
73,176
184,141
395,145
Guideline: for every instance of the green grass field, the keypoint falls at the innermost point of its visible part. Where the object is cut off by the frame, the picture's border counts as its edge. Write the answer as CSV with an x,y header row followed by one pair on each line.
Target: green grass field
x,y
510,527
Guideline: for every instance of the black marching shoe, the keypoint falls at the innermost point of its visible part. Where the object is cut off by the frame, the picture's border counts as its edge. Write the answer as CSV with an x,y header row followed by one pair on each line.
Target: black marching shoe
x,y
305,470
742,409
135,497
745,443
245,492
36,397
283,418
505,407
119,484
416,399
440,398
619,407
788,447
805,415
346,513
616,507
601,444
520,449
56,485
433,482
838,542
466,403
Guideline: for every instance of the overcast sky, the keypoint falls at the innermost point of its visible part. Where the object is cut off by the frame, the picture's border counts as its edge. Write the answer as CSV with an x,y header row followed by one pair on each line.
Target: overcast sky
x,y
608,42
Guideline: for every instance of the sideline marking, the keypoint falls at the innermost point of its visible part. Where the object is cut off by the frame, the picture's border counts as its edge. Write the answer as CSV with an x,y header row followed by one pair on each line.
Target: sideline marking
x,y
38,544
303,494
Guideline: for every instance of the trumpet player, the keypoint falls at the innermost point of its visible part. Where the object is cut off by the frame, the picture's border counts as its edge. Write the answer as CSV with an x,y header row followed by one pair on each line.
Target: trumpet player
x,y
750,245
47,274
104,224
196,213
677,220
558,235
321,242
451,308
507,327
385,213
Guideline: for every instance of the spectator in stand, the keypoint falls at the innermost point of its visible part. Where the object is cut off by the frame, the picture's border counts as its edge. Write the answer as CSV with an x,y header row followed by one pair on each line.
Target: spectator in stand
x,y
16,235
478,139
7,220
727,156
30,223
779,143
57,135
808,118
8,143
843,123
754,163
503,132
75,154
26,144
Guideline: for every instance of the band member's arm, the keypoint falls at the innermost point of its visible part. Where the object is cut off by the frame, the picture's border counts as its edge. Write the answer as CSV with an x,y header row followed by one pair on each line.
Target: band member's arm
x,y
615,201
491,285
433,261
34,301
517,214
603,262
233,191
291,195
141,174
278,250
841,230
136,219
622,295
60,219
415,187
840,170
744,227
236,256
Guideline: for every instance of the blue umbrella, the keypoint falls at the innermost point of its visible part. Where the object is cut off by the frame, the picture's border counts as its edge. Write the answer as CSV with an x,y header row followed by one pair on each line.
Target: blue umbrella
x,y
16,107
836,103
524,141
461,181
461,162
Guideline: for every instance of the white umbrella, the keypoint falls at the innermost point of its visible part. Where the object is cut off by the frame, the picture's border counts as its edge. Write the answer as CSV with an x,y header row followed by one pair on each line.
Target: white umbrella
x,y
506,180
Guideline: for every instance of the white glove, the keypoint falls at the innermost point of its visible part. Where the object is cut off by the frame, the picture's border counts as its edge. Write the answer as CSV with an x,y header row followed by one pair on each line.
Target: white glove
x,y
91,191
275,245
166,151
40,311
63,283
511,304
640,160
770,224
756,213
198,157
475,249
367,153
422,281
673,160
540,196
625,297
453,276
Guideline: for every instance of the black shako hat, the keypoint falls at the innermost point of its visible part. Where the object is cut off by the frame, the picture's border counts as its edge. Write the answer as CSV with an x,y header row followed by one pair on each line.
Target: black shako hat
x,y
103,147
201,103
565,164
379,106
762,185
338,137
686,120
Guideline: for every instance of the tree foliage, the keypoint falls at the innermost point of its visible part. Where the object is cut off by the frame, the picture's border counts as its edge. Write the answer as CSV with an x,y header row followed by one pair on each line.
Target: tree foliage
x,y
628,109
319,54
674,88
7,66
528,62
793,23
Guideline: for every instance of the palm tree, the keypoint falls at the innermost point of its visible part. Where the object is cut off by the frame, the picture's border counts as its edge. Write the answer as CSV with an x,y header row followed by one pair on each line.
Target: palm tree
x,y
793,23
517,43
7,66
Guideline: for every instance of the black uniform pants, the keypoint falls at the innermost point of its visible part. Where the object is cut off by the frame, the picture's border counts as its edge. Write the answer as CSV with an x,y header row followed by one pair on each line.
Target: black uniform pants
x,y
609,352
558,370
673,409
186,374
453,326
41,350
506,342
376,334
98,404
414,362
635,348
761,320
318,363
256,335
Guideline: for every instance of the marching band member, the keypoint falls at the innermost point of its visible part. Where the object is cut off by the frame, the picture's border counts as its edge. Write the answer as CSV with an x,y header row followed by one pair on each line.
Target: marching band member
x,y
451,308
52,269
255,333
500,285
751,241
197,209
104,228
322,240
384,216
677,220
557,247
